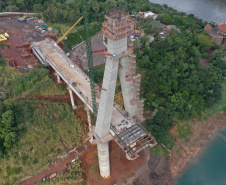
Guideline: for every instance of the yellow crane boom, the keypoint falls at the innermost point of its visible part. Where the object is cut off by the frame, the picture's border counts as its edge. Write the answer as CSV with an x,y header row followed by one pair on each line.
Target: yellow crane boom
x,y
59,40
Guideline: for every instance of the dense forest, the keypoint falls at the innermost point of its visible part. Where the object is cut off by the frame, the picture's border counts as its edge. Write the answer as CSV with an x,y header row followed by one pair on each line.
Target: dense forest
x,y
68,11
175,85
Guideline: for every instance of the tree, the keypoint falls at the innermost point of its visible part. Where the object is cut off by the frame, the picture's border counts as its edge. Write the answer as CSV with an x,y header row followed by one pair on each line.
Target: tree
x,y
7,129
2,93
2,62
38,7
167,19
204,42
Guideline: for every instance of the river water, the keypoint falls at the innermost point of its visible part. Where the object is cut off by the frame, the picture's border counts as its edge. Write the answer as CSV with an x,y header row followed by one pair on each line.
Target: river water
x,y
208,10
210,167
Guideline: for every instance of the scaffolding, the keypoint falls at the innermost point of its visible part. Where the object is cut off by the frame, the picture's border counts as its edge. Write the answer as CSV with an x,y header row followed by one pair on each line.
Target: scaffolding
x,y
117,25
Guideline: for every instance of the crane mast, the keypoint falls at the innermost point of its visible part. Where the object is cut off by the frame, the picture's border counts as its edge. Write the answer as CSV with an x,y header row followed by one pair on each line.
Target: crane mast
x,y
90,58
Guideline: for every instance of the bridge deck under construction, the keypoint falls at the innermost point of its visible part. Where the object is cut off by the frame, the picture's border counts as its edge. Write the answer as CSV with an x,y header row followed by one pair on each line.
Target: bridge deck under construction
x,y
49,53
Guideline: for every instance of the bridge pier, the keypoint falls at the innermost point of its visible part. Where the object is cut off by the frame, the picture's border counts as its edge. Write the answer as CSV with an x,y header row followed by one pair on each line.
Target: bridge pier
x,y
72,98
104,160
58,78
89,122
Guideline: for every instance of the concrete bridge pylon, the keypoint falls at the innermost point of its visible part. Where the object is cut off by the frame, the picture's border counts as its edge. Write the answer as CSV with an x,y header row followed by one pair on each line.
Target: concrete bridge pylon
x,y
117,28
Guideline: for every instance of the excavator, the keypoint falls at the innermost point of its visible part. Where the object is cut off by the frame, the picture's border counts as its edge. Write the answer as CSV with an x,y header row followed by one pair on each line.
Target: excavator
x,y
2,38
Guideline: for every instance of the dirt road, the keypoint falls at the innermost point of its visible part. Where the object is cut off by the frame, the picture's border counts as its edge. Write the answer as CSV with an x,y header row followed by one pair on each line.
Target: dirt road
x,y
61,165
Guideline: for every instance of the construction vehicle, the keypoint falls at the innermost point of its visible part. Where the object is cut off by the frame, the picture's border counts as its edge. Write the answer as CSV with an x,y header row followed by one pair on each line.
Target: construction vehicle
x,y
66,33
6,35
25,15
2,38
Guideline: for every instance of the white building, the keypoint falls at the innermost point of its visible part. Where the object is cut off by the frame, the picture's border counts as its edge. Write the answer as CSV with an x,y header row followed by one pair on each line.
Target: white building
x,y
150,14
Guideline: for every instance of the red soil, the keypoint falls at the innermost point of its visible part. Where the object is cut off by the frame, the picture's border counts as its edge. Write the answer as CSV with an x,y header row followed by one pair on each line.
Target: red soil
x,y
17,48
15,53
120,166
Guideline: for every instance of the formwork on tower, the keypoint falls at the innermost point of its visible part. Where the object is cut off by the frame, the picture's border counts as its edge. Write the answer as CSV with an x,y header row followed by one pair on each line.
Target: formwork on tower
x,y
118,28
124,128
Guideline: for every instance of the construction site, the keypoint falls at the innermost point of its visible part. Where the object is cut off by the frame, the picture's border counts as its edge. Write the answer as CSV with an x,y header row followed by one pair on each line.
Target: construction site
x,y
115,134
16,48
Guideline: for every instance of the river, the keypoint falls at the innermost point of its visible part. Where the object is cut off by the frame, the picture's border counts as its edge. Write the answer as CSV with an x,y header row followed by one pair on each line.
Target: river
x,y
209,168
208,10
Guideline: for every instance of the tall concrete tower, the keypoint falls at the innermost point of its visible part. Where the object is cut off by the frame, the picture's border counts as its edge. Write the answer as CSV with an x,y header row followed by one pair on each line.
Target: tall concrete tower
x,y
117,28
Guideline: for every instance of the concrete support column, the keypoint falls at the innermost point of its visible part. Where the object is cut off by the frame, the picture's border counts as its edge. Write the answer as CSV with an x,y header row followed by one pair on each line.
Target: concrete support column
x,y
127,87
89,122
104,163
72,98
58,78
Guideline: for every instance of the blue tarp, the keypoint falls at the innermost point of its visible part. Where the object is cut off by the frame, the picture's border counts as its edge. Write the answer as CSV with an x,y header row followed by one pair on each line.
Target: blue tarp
x,y
44,26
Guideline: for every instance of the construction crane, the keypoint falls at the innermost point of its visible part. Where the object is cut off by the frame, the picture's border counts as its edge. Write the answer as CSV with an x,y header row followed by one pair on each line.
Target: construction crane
x,y
65,45
65,34
90,58
62,32
118,97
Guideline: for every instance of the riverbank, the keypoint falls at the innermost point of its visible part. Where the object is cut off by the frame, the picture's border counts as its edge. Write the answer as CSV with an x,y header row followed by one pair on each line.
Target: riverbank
x,y
184,152
209,166
186,149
